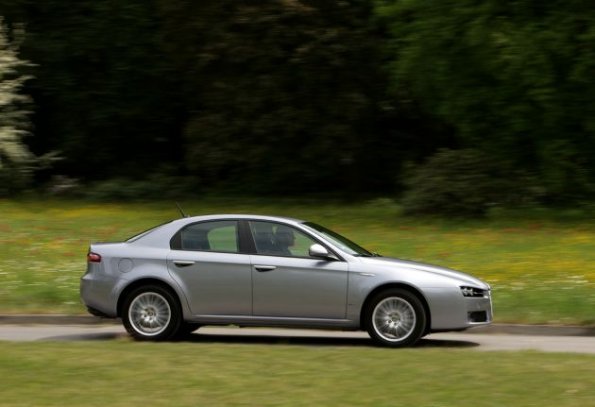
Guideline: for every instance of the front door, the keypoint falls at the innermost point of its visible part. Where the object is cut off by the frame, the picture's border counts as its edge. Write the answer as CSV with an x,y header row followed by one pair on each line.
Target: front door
x,y
290,284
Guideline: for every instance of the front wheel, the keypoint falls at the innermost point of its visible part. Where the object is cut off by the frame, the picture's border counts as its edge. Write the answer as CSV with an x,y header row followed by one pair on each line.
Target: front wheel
x,y
395,318
151,313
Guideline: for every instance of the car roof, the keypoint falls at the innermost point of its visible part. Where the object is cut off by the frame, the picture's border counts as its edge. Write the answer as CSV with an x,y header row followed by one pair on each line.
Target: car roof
x,y
160,236
199,218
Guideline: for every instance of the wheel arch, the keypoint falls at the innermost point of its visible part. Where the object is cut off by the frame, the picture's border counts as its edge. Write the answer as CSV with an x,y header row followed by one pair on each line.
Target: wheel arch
x,y
142,282
402,286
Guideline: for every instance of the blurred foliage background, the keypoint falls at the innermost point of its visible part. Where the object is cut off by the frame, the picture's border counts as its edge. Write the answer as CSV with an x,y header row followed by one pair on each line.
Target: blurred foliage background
x,y
346,99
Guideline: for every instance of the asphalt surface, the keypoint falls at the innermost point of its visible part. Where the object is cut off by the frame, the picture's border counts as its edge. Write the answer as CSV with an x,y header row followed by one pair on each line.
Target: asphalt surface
x,y
473,339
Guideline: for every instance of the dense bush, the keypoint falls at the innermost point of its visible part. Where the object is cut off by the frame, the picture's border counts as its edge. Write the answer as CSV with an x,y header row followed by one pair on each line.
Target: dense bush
x,y
456,182
13,180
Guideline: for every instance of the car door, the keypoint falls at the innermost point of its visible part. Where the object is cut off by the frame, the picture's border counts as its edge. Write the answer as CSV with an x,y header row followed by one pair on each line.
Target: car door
x,y
206,262
287,283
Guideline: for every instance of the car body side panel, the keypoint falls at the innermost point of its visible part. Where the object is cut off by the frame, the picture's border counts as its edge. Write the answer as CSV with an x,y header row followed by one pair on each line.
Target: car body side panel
x,y
365,278
213,283
300,287
448,308
122,264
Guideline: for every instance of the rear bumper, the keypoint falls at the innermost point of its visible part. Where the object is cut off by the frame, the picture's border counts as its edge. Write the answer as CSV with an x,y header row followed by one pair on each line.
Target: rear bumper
x,y
97,296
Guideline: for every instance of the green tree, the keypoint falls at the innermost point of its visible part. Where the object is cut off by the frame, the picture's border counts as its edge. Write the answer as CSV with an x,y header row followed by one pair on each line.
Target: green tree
x,y
513,78
281,95
103,91
15,158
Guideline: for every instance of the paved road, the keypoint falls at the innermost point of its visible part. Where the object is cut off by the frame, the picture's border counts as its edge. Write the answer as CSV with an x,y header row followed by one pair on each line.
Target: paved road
x,y
472,341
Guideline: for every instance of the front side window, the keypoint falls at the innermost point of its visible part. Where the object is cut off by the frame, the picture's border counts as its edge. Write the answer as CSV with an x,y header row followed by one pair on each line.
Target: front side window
x,y
275,239
217,236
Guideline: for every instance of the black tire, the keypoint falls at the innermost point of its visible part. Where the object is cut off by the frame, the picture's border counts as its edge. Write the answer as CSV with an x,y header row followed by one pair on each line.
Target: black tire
x,y
152,313
395,317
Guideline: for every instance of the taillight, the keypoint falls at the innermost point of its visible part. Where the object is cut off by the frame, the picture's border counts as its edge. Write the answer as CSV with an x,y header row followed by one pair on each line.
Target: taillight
x,y
93,257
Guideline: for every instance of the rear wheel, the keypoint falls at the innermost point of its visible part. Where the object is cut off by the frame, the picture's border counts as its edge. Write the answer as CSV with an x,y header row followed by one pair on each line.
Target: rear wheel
x,y
151,313
395,318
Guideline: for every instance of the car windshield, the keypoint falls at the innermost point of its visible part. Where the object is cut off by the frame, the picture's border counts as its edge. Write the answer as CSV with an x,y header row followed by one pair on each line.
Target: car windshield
x,y
342,242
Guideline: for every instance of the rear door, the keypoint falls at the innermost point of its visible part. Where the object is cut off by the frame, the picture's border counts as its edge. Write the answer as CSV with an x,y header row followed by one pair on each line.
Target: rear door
x,y
206,261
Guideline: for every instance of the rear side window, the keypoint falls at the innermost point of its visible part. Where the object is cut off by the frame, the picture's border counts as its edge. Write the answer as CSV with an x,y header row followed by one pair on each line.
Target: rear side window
x,y
216,236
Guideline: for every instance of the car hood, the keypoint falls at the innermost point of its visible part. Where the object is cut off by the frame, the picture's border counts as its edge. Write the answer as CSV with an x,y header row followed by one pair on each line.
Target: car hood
x,y
422,267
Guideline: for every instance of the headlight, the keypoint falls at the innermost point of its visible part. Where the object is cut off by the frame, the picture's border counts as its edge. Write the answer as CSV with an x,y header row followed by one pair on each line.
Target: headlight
x,y
473,292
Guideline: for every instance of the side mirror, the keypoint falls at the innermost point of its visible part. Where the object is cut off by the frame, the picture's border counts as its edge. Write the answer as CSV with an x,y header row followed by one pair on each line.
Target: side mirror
x,y
319,251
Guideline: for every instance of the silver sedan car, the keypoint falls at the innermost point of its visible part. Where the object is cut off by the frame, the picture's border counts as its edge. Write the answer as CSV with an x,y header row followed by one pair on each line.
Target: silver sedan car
x,y
250,270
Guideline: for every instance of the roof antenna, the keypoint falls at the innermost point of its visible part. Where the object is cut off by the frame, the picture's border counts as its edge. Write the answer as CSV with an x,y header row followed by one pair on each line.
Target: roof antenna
x,y
181,211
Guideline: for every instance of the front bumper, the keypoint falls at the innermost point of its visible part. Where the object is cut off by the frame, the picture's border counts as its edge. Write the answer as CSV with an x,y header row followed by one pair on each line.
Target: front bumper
x,y
449,310
479,310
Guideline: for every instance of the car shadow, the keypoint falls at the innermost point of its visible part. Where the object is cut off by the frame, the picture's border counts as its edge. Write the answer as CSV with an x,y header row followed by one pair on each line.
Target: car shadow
x,y
106,336
267,339
333,341
445,343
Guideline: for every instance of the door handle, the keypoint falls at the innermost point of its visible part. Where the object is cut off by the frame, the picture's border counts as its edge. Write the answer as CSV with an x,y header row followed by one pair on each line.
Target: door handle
x,y
264,268
184,263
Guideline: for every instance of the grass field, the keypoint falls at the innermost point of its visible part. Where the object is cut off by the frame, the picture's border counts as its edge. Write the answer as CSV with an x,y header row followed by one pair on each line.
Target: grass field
x,y
542,269
122,373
